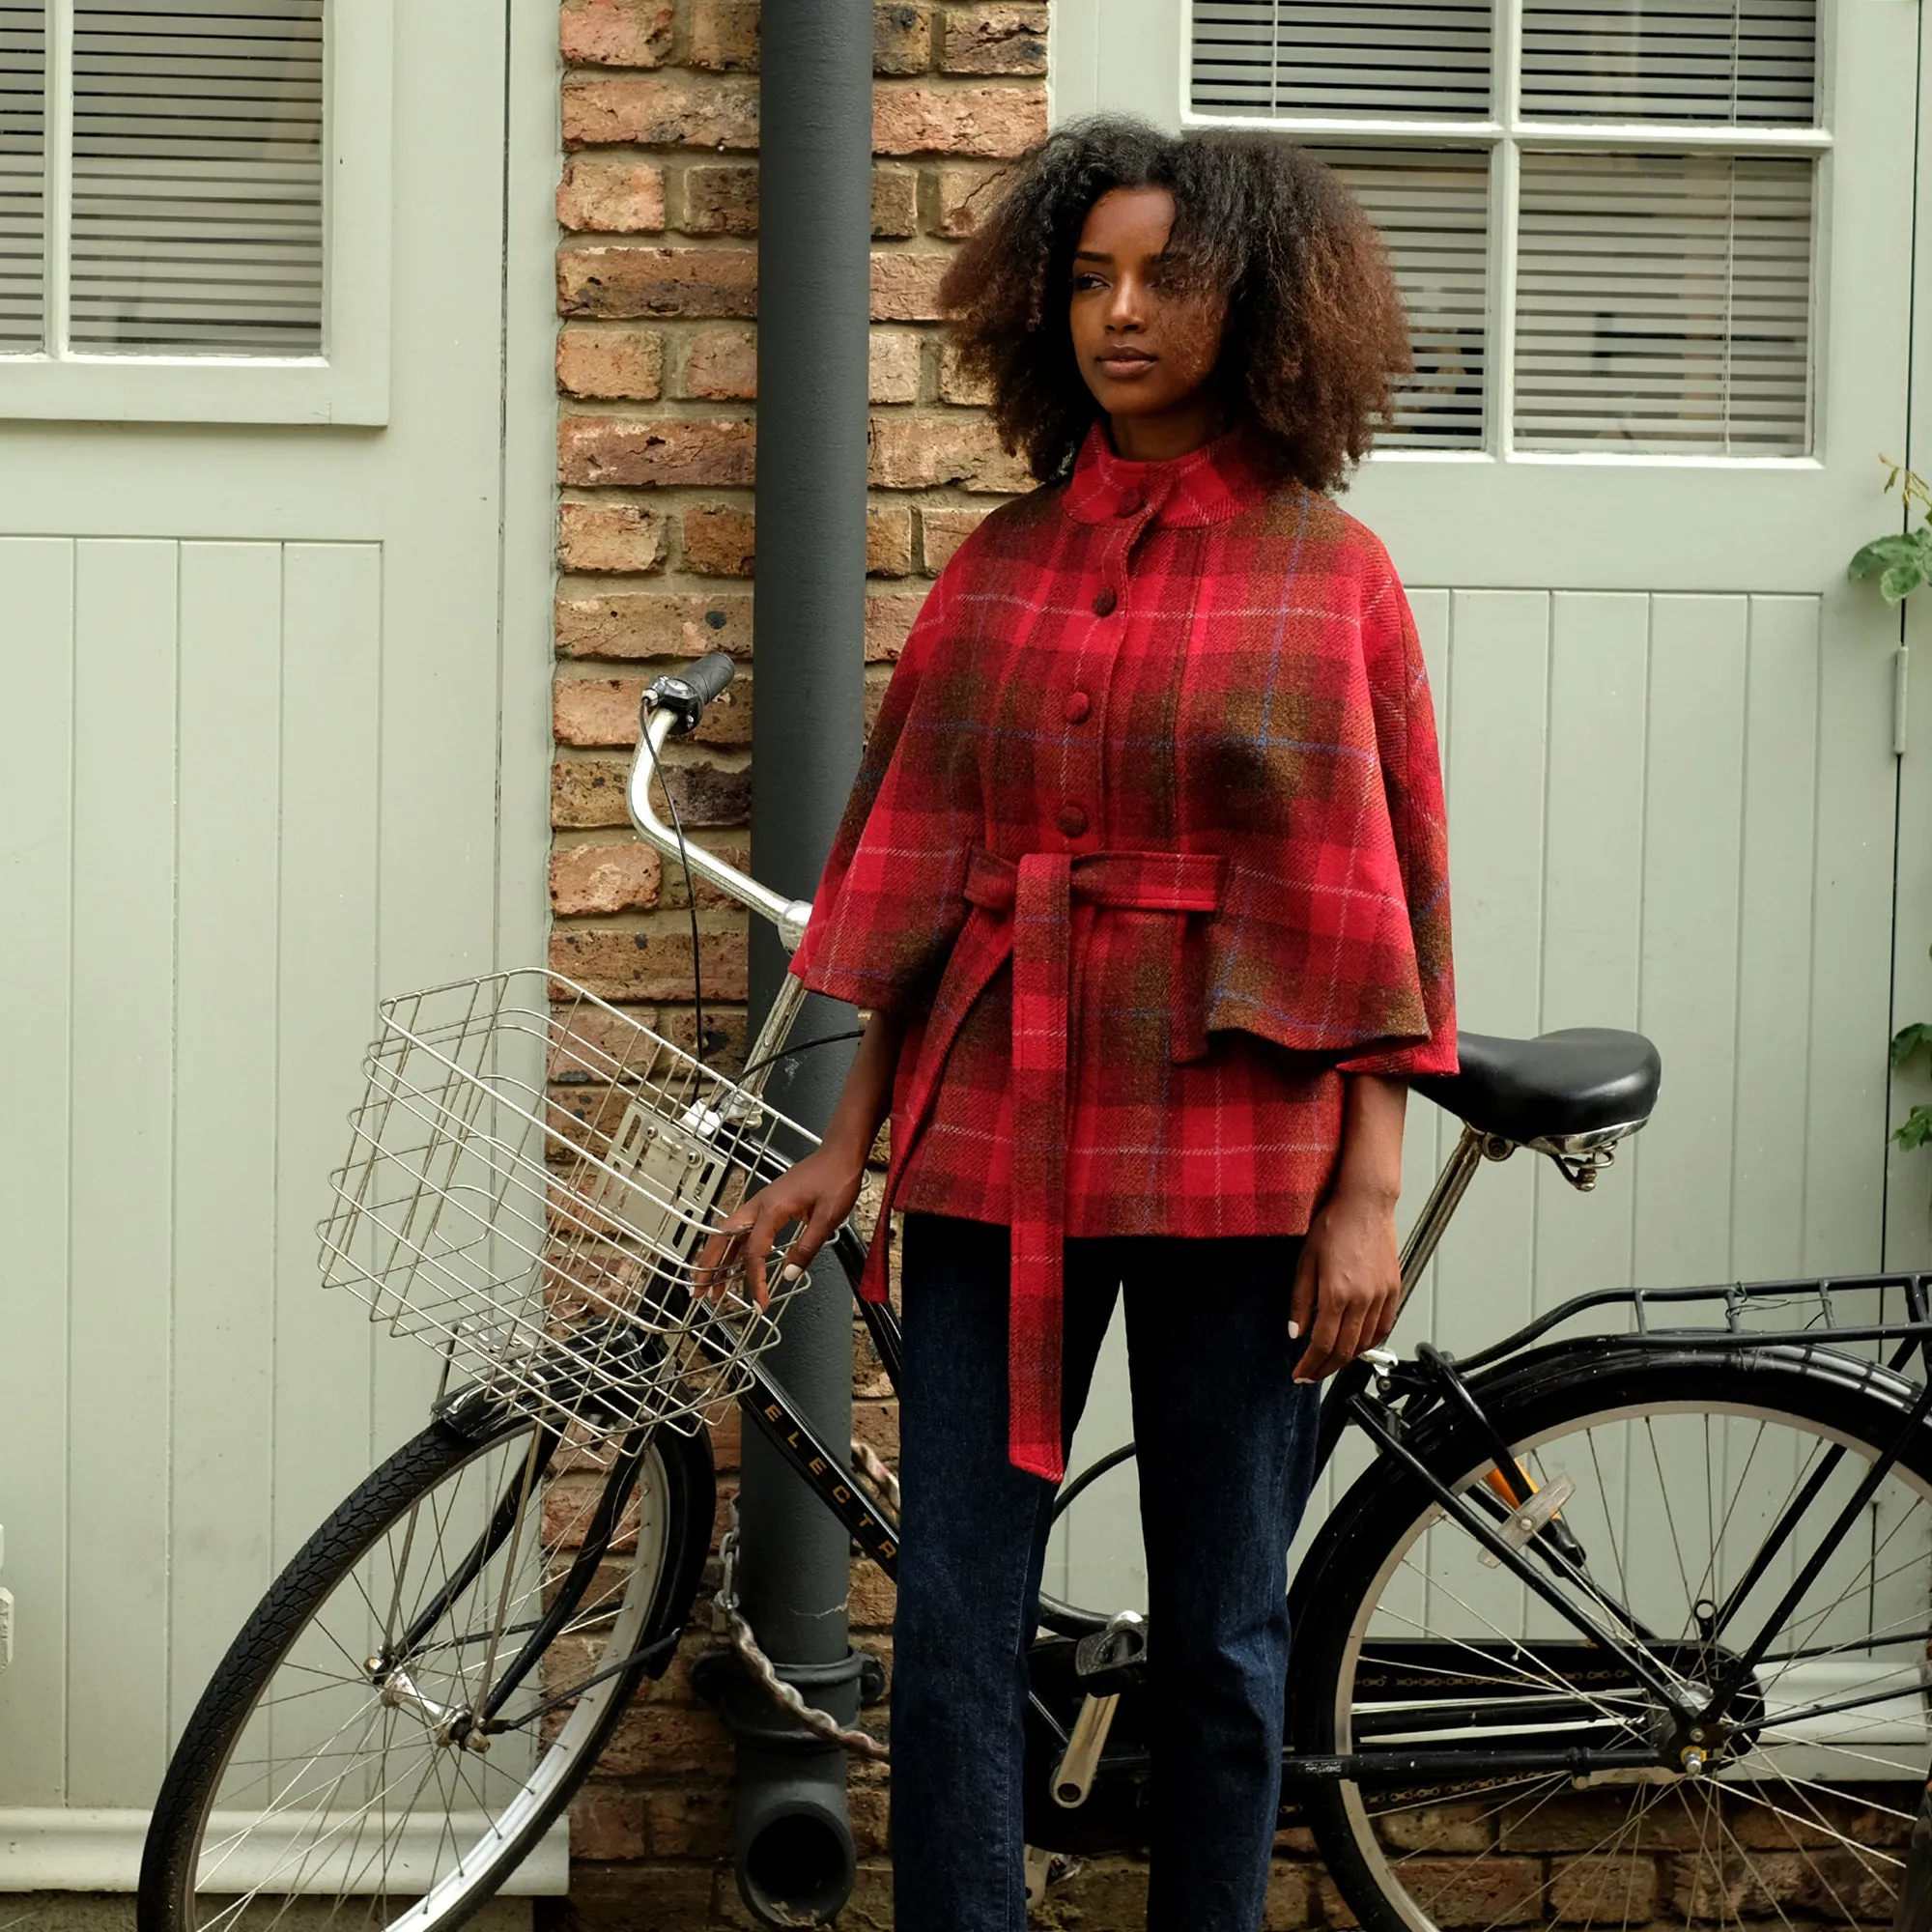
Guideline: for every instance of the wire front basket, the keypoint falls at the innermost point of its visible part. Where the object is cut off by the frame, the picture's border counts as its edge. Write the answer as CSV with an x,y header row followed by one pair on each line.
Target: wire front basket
x,y
532,1180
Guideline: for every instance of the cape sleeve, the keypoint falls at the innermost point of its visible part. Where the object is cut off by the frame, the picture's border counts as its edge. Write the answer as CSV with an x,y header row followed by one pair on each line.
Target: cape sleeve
x,y
891,899
1411,771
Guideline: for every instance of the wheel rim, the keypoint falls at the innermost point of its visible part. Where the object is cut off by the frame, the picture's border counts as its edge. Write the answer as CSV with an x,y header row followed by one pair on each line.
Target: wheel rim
x,y
1803,1816
349,1793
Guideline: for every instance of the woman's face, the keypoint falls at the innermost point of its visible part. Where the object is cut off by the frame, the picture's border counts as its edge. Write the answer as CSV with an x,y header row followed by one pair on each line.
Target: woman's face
x,y
1146,349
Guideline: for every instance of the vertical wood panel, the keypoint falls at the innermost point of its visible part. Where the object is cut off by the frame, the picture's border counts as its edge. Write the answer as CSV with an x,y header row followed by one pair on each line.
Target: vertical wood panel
x,y
35,882
1692,840
123,936
1593,871
1429,1134
225,1100
332,650
1499,685
1858,791
1777,909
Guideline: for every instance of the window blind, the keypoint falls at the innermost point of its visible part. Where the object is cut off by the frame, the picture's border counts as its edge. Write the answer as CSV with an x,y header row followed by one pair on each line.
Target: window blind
x,y
1431,207
1664,303
1341,57
1726,61
23,69
197,176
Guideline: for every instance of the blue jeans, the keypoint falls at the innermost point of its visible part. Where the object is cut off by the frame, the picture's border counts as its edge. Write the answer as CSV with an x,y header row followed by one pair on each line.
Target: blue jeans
x,y
1227,1451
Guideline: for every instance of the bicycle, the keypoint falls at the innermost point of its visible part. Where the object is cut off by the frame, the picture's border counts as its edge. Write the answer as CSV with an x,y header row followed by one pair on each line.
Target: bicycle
x,y
1623,1619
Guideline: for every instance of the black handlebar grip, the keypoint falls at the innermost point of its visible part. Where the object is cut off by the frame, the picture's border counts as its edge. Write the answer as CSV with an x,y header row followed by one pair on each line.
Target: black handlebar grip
x,y
710,675
690,691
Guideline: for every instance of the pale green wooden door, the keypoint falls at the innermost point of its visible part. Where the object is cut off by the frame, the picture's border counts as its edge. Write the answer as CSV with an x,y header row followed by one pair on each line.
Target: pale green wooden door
x,y
1661,311
272,683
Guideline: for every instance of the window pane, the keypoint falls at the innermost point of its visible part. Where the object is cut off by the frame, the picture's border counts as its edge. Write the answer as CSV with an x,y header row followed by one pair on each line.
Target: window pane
x,y
1432,205
1664,303
23,73
197,176
1332,57
1671,60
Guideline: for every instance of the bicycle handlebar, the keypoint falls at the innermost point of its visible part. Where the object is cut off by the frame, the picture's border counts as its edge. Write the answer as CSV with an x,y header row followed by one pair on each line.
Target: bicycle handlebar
x,y
687,694
672,707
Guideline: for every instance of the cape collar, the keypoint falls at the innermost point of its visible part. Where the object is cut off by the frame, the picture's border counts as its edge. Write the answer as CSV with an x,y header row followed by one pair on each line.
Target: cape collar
x,y
1209,485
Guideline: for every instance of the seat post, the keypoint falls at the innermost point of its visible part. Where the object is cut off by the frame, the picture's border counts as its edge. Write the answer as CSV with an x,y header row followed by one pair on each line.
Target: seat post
x,y
1470,1154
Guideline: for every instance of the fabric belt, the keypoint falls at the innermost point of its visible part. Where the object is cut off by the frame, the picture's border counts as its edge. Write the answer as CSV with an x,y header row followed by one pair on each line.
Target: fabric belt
x,y
1027,918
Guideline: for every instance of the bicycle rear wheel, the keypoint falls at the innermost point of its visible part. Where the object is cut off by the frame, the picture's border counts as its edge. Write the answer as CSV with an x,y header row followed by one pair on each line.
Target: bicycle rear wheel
x,y
1672,1473
424,1686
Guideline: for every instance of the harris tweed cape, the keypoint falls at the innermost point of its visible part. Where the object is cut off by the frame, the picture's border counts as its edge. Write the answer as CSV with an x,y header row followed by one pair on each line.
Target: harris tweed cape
x,y
1147,849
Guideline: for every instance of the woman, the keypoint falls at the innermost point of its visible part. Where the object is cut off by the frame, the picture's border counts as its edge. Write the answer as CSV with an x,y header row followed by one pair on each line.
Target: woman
x,y
1142,885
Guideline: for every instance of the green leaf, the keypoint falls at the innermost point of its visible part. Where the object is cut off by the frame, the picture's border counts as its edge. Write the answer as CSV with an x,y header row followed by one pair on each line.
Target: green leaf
x,y
1917,1130
1881,551
1901,581
1907,1039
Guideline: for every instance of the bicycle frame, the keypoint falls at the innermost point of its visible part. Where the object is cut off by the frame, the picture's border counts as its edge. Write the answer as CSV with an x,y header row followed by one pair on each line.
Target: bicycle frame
x,y
1379,1395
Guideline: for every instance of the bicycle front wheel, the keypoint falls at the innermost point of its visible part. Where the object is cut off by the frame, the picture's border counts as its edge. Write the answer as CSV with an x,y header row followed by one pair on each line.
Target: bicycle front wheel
x,y
1688,1507
412,1704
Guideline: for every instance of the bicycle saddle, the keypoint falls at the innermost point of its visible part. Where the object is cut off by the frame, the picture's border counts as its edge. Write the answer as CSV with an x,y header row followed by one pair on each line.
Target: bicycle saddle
x,y
1581,1080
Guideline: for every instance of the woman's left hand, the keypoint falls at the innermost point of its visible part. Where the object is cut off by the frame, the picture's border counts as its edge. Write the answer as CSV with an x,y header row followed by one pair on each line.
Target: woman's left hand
x,y
1347,1284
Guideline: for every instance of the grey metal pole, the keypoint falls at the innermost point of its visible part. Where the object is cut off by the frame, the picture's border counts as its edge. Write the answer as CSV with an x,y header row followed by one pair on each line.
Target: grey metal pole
x,y
814,245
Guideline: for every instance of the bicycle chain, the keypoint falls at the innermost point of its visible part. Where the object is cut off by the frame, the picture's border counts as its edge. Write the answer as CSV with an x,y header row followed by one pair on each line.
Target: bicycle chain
x,y
727,1620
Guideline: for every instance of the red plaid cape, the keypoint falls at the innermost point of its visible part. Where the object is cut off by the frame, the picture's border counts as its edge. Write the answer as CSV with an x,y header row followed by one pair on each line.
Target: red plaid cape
x,y
1148,846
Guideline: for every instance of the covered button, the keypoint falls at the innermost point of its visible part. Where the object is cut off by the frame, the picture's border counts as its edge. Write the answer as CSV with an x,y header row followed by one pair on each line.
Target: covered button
x,y
1104,603
1072,820
1077,707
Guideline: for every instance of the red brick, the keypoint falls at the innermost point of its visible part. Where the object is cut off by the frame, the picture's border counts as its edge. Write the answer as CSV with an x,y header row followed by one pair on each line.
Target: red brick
x,y
595,710
873,1598
961,197
616,33
645,453
725,35
718,540
689,111
895,366
914,118
942,531
606,1823
1290,1889
637,1898
895,203
957,383
612,197
621,364
722,365
905,288
664,1741
888,620
691,1823
607,536
720,200
650,965
603,879
994,39
1591,1891
924,452
901,37
621,280
1438,1828
653,625
587,793
889,542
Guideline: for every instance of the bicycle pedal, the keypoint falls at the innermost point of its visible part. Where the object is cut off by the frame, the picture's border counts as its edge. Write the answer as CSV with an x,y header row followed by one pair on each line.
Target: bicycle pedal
x,y
1118,1648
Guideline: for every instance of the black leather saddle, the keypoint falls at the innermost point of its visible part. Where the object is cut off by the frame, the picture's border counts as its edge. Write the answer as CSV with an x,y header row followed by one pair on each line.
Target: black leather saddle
x,y
1580,1080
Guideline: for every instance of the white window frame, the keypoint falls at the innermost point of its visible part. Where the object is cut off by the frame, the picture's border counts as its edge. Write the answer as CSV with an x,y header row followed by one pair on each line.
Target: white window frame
x,y
349,381
1504,135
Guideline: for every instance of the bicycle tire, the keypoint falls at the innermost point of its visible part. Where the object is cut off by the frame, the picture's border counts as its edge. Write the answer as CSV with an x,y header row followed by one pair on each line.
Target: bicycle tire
x,y
676,1471
1387,1649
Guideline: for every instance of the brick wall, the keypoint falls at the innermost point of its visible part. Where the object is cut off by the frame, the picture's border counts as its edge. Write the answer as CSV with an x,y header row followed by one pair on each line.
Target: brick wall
x,y
657,380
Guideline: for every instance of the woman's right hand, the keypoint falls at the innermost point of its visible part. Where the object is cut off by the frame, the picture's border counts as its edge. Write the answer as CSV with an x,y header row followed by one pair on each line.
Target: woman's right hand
x,y
818,1193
